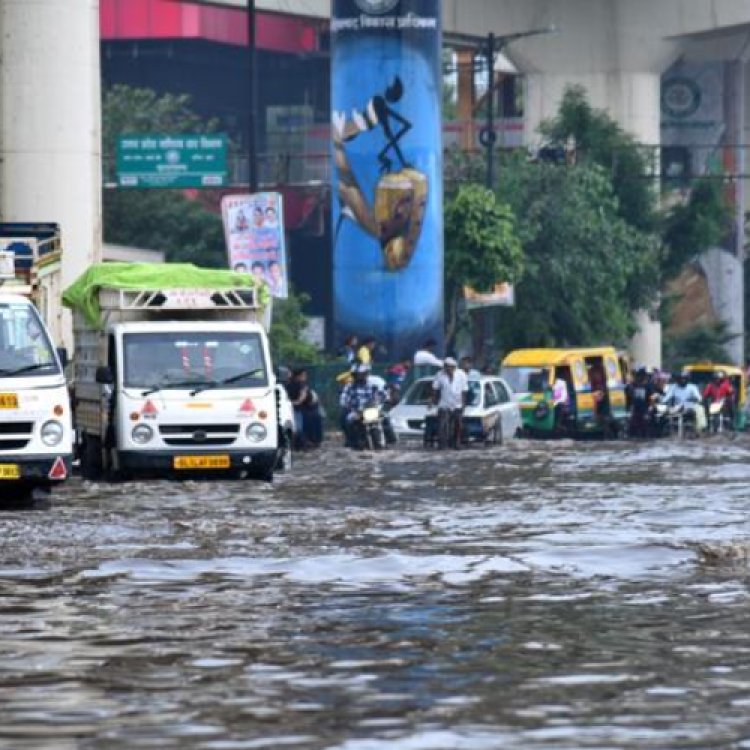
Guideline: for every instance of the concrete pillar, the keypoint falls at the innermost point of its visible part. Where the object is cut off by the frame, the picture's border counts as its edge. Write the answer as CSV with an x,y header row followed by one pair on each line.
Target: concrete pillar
x,y
50,132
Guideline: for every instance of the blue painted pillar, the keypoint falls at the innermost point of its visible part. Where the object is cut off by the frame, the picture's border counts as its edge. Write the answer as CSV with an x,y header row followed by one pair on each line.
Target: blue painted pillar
x,y
387,179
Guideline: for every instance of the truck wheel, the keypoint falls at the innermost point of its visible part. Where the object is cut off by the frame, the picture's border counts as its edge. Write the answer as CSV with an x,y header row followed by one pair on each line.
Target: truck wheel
x,y
91,458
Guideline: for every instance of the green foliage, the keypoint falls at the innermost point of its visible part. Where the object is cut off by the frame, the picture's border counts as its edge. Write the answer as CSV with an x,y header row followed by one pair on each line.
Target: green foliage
x,y
481,245
600,140
586,268
288,323
165,220
702,343
691,228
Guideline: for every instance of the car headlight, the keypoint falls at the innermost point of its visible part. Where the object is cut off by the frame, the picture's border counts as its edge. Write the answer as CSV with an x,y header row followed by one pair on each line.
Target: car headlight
x,y
141,434
52,433
256,432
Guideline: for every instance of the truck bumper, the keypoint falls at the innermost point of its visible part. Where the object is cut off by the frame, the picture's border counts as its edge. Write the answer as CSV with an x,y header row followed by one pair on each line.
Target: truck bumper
x,y
162,463
35,470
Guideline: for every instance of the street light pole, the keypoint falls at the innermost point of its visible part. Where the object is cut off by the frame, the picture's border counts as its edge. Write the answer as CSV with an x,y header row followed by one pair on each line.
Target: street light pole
x,y
252,90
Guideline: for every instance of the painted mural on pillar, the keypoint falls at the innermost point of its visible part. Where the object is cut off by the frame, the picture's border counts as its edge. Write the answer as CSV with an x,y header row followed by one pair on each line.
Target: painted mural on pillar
x,y
387,151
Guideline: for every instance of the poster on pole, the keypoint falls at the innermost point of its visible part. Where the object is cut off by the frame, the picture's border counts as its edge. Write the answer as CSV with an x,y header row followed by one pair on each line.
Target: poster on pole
x,y
502,295
254,231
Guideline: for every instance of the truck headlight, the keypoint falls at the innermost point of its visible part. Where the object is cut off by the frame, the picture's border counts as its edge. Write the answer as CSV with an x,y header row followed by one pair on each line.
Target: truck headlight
x,y
141,434
256,432
52,432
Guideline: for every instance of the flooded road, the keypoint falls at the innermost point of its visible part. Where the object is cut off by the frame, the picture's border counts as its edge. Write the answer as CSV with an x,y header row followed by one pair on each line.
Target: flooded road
x,y
536,595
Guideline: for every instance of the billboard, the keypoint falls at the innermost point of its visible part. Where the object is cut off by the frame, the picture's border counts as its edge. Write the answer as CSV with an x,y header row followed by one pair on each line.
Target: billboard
x,y
387,153
254,231
172,161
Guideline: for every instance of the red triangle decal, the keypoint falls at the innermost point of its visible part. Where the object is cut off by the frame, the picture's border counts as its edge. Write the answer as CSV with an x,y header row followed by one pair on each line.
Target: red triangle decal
x,y
247,406
149,408
58,470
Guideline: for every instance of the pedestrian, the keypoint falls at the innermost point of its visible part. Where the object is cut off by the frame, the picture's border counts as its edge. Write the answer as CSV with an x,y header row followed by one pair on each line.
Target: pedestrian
x,y
349,349
466,363
364,353
297,390
451,390
425,355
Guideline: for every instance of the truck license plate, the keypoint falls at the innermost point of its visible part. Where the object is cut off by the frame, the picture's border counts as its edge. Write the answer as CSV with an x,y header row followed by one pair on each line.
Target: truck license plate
x,y
8,401
202,462
10,471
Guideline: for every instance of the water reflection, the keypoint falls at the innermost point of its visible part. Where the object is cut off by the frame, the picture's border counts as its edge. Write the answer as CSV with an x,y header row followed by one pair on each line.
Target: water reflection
x,y
537,595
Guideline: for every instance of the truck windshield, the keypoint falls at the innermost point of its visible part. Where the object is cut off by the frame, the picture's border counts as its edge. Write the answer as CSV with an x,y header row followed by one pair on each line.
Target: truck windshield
x,y
25,348
179,359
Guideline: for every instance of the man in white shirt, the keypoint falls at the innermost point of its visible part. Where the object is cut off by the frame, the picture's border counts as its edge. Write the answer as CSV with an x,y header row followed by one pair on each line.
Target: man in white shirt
x,y
686,394
451,389
426,355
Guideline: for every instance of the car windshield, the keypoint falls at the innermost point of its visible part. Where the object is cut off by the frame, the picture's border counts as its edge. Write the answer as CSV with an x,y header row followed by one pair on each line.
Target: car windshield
x,y
526,379
177,359
25,348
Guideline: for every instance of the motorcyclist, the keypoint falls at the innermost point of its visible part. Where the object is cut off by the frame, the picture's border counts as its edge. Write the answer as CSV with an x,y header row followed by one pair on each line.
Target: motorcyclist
x,y
356,396
686,394
720,389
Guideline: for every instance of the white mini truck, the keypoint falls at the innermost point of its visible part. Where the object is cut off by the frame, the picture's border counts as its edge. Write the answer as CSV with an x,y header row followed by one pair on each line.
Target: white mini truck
x,y
36,433
177,382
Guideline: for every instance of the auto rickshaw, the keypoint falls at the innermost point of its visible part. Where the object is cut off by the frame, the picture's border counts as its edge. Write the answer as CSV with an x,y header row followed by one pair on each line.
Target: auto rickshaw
x,y
702,373
593,379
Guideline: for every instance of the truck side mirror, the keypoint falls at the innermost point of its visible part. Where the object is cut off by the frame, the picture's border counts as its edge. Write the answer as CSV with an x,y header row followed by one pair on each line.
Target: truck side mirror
x,y
62,355
104,376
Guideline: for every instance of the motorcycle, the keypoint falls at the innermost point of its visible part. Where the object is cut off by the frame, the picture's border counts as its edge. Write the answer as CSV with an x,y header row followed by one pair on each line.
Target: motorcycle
x,y
373,431
716,416
674,420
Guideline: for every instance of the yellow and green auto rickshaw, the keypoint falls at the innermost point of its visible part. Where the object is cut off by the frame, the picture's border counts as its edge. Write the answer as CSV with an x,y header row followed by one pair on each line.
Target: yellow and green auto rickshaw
x,y
571,392
702,373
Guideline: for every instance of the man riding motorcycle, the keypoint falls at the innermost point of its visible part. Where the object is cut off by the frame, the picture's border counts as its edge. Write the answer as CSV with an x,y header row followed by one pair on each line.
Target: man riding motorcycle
x,y
685,394
356,396
720,391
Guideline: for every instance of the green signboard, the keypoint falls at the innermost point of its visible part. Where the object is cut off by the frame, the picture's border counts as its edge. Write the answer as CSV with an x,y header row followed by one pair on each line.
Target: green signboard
x,y
172,161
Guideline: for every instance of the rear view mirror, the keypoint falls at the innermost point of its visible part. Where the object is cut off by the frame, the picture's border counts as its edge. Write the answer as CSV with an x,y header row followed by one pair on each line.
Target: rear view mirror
x,y
104,376
62,355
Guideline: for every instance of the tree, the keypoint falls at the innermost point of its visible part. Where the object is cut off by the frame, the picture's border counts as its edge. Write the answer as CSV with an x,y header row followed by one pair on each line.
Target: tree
x,y
289,322
481,246
587,270
600,140
156,219
692,227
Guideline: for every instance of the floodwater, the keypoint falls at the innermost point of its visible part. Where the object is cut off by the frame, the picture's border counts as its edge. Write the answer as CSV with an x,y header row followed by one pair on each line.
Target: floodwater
x,y
535,595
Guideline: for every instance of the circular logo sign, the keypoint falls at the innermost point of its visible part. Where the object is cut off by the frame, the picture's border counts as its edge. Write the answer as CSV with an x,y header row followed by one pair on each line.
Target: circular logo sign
x,y
680,97
376,7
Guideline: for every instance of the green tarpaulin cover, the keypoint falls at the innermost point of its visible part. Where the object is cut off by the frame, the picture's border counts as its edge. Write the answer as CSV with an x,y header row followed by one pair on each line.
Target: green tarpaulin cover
x,y
83,294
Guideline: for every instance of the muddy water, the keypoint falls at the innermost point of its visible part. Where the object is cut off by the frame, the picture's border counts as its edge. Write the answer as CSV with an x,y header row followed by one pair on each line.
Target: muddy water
x,y
538,595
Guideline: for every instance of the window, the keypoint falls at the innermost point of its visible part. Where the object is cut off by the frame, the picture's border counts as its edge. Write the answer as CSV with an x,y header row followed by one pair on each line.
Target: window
x,y
420,394
502,392
490,396
24,345
179,359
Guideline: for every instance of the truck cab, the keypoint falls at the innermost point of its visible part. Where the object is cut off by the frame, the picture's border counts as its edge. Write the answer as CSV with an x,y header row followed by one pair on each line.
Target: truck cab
x,y
36,433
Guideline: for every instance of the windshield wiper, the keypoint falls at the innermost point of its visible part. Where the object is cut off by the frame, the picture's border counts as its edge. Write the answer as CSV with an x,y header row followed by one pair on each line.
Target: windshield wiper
x,y
25,368
173,384
226,381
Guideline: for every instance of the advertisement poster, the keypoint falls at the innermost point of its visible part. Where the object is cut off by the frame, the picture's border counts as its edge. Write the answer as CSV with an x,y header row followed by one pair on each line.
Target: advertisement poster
x,y
502,295
387,152
254,230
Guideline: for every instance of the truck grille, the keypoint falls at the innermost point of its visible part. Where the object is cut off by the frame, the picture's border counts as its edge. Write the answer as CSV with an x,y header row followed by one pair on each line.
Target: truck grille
x,y
199,434
15,435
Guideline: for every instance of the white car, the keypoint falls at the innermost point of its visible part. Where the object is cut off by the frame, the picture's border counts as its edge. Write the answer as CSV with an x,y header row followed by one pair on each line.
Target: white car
x,y
492,413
